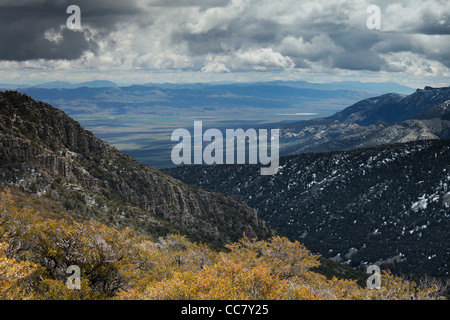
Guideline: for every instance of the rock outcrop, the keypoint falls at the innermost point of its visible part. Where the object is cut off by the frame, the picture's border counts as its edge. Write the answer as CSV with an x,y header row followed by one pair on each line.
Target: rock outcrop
x,y
45,152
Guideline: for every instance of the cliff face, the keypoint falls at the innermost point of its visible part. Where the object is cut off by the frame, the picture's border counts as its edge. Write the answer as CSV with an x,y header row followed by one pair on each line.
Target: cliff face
x,y
43,151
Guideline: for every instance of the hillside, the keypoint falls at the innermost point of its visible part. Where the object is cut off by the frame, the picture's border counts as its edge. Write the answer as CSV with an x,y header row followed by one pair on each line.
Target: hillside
x,y
393,108
35,255
388,205
386,119
44,152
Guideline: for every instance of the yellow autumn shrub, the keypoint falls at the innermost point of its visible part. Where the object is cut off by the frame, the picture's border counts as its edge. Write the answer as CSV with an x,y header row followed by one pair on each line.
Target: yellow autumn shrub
x,y
12,273
121,264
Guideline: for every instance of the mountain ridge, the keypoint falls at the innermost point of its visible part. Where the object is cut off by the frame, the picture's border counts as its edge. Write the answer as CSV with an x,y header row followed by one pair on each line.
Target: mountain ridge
x,y
386,119
44,151
386,205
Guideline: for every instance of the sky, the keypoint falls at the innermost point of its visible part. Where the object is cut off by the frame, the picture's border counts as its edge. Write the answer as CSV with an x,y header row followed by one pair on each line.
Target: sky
x,y
143,41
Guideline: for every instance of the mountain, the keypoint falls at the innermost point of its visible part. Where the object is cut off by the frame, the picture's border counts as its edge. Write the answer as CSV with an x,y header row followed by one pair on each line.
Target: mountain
x,y
393,108
250,95
60,85
334,136
375,87
43,152
12,86
357,112
441,111
387,205
386,119
54,85
380,87
68,85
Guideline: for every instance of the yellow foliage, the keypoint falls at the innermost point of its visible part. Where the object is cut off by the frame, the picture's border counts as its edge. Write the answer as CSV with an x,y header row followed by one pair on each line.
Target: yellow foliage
x,y
11,274
282,257
121,264
50,289
396,288
182,255
225,280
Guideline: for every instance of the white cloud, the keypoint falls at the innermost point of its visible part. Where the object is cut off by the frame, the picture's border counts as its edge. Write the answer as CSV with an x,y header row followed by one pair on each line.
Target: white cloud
x,y
261,59
54,35
415,65
216,64
417,16
223,36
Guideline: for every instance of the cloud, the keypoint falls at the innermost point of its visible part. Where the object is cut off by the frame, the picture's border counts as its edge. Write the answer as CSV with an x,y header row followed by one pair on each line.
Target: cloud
x,y
215,67
321,48
222,36
261,59
187,3
27,27
431,17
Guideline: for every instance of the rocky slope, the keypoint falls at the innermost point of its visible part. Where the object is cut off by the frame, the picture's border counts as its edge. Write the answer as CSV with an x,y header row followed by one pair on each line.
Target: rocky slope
x,y
441,111
393,108
386,119
46,153
388,205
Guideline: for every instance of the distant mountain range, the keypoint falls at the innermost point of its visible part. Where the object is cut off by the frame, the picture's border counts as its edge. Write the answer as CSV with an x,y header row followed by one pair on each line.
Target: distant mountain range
x,y
276,95
375,87
68,85
60,85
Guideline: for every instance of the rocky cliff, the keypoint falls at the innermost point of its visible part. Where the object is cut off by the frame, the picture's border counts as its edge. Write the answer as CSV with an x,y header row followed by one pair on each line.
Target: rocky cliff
x,y
46,153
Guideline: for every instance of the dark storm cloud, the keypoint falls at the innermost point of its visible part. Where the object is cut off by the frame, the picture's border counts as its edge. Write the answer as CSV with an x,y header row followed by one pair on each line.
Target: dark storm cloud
x,y
211,41
239,34
361,60
29,46
432,27
394,43
261,32
23,25
433,23
358,53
